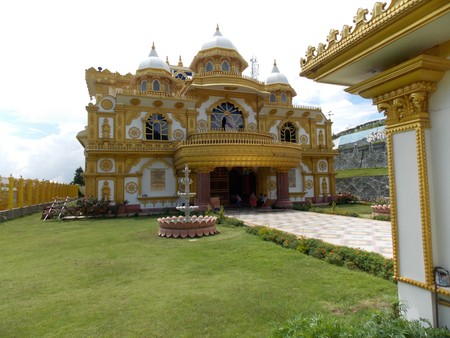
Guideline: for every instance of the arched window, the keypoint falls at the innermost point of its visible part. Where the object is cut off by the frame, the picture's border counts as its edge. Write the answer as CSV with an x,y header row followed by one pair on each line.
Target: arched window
x,y
157,128
226,117
273,98
288,133
180,76
156,86
225,66
283,97
209,67
143,86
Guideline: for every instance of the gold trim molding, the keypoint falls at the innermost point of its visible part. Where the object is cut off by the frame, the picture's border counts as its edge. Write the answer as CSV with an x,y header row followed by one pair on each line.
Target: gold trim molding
x,y
407,104
345,45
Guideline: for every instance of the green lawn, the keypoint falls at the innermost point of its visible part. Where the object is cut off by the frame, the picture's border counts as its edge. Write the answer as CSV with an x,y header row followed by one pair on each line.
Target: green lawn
x,y
361,172
117,278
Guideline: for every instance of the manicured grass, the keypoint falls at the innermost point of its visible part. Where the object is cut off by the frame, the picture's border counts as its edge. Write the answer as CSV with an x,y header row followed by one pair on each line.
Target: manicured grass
x,y
361,172
117,278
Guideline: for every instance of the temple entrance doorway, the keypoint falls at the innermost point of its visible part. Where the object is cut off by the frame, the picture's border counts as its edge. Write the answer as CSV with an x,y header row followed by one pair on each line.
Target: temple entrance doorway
x,y
226,184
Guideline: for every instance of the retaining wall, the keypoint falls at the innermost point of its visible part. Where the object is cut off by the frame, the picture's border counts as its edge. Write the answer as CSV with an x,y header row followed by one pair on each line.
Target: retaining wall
x,y
366,188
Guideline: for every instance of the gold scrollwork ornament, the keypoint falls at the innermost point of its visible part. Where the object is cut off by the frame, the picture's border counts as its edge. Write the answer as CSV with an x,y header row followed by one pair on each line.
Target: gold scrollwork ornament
x,y
134,132
106,165
131,187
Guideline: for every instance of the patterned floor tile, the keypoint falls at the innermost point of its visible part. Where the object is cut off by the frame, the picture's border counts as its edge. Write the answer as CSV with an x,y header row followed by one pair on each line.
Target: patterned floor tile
x,y
370,235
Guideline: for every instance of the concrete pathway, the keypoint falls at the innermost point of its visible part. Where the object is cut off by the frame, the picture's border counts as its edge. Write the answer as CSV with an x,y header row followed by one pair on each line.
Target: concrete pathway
x,y
367,234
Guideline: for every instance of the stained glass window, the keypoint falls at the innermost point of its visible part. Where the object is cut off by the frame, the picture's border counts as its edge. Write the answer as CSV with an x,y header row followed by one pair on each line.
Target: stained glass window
x,y
157,128
225,66
156,86
288,132
143,86
209,67
226,117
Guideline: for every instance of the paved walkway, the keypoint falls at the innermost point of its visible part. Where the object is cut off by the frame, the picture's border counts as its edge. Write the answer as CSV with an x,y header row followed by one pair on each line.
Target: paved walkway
x,y
354,232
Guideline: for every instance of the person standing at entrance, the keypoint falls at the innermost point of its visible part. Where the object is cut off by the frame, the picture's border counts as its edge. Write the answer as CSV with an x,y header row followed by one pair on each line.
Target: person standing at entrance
x,y
252,200
238,200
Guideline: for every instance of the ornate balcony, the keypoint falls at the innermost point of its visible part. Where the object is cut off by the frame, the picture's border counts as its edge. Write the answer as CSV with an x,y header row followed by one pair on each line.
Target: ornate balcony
x,y
208,150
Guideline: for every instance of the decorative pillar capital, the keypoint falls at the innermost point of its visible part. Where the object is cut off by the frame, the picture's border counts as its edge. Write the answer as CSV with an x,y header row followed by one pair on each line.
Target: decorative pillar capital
x,y
406,105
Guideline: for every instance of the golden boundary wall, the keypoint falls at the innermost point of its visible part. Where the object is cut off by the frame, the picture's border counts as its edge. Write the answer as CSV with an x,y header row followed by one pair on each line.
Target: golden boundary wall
x,y
20,197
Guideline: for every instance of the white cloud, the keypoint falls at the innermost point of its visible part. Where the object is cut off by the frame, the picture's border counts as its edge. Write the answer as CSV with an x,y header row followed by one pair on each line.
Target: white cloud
x,y
48,44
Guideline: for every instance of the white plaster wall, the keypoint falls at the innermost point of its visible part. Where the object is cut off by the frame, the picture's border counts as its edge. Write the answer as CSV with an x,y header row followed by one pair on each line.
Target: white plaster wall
x,y
274,129
309,192
111,124
100,186
327,187
251,114
131,198
411,262
175,125
205,105
100,170
111,110
419,302
303,132
170,180
439,170
444,316
298,182
137,122
317,135
325,168
272,194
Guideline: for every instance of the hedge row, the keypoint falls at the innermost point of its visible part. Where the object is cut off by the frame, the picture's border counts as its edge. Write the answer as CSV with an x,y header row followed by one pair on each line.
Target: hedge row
x,y
355,259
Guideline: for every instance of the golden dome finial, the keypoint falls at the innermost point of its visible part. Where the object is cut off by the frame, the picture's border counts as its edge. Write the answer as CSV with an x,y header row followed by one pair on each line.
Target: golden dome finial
x,y
153,45
217,27
274,63
167,60
180,63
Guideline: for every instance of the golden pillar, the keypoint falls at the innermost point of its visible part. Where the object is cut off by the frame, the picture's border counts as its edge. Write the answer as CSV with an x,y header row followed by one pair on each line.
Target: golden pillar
x,y
20,192
261,182
11,192
36,191
29,192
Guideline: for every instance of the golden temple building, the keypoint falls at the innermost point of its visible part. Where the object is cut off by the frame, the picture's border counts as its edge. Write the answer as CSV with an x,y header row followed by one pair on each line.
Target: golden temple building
x,y
399,56
238,135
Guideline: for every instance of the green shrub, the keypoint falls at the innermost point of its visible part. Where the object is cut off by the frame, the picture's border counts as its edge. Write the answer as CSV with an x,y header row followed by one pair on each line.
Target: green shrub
x,y
301,206
335,211
380,325
354,259
344,198
220,214
382,218
233,222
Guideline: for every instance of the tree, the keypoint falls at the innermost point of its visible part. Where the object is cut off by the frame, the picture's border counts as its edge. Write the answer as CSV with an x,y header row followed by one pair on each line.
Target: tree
x,y
79,177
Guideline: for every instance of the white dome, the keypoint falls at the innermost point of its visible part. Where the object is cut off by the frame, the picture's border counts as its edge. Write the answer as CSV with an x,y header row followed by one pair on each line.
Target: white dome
x,y
276,76
218,41
154,61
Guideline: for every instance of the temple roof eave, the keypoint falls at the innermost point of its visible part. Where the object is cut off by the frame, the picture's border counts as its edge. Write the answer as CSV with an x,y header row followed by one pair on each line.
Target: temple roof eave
x,y
391,36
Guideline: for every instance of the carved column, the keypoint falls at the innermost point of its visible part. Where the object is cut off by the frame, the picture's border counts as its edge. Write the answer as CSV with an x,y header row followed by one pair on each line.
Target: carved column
x,y
283,200
407,121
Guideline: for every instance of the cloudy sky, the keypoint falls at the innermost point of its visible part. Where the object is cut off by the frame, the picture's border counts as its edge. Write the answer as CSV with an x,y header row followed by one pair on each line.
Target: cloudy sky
x,y
47,45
